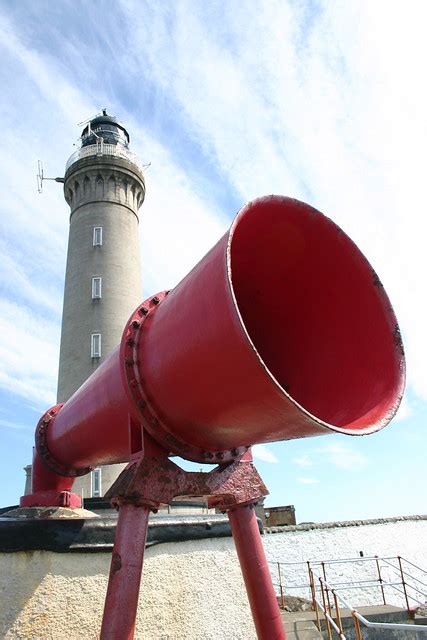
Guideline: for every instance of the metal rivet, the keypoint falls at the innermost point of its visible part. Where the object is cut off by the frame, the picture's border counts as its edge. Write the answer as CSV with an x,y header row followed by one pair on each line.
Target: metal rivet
x,y
135,324
155,300
143,311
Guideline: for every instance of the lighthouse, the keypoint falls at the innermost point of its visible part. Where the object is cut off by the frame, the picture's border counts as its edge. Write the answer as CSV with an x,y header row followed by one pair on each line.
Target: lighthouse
x,y
104,187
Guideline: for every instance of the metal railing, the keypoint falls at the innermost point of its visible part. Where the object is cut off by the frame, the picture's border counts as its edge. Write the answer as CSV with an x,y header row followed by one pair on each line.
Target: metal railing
x,y
101,148
403,577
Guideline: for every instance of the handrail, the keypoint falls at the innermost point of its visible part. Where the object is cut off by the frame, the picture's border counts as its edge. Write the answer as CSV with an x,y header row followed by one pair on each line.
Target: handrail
x,y
103,149
368,623
330,620
414,565
406,573
391,584
327,588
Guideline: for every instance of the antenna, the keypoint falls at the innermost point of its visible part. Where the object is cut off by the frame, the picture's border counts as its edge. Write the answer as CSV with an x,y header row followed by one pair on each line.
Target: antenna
x,y
41,177
89,120
80,124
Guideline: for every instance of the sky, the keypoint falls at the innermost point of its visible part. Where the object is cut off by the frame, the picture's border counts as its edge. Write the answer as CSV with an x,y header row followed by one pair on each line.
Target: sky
x,y
324,101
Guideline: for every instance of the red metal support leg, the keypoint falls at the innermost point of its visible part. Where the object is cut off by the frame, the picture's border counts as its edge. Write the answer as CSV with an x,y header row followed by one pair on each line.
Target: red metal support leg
x,y
121,602
256,574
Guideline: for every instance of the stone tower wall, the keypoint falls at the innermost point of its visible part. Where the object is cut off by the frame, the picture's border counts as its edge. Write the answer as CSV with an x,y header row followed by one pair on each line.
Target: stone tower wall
x,y
102,192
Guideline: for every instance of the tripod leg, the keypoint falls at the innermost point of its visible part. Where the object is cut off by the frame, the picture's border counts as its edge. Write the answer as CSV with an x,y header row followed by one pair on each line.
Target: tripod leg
x,y
256,574
121,602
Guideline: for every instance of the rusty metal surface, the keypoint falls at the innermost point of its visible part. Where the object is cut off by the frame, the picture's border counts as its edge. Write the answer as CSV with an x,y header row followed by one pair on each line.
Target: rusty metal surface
x,y
256,574
121,601
152,481
49,488
281,331
47,420
282,334
136,377
51,499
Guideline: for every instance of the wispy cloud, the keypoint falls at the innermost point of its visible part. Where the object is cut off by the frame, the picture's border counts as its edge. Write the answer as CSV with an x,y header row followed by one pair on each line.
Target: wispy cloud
x,y
325,107
263,453
256,127
308,481
321,123
10,424
303,461
177,227
29,346
341,456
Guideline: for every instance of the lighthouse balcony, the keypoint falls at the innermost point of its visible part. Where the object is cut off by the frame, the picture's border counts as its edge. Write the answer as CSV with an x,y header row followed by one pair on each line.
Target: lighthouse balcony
x,y
103,149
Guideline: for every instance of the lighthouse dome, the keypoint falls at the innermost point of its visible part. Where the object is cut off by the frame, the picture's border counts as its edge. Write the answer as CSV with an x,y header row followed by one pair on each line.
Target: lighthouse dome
x,y
107,128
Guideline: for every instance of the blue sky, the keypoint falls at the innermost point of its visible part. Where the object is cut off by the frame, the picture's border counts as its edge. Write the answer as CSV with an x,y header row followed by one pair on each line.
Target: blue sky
x,y
323,101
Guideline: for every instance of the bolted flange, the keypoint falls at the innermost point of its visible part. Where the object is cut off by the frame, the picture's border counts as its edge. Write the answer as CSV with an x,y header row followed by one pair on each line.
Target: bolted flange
x,y
54,465
139,393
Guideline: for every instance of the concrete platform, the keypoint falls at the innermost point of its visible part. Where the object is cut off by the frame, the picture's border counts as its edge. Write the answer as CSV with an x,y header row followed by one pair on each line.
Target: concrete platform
x,y
302,625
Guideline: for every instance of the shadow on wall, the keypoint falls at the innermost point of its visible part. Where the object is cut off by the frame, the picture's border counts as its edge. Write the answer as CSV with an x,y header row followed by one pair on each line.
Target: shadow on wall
x,y
42,591
61,595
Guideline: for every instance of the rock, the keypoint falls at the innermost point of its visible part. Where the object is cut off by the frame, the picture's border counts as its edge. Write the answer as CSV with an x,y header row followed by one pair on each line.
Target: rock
x,y
294,604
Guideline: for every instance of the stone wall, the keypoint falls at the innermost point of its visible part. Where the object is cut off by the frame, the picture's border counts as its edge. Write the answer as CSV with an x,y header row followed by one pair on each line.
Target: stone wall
x,y
406,537
192,590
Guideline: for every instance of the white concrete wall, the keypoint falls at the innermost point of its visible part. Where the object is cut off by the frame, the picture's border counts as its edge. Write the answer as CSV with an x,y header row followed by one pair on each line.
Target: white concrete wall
x,y
190,590
407,538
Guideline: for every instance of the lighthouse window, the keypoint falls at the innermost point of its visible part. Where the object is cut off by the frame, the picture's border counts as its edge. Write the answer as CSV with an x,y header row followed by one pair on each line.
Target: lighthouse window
x,y
95,345
96,482
96,287
97,236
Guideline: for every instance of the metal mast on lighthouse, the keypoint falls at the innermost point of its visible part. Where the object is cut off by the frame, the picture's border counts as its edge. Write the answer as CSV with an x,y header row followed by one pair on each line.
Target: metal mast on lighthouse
x,y
104,186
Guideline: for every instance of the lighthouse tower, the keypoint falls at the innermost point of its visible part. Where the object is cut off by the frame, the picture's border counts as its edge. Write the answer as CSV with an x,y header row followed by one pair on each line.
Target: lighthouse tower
x,y
104,187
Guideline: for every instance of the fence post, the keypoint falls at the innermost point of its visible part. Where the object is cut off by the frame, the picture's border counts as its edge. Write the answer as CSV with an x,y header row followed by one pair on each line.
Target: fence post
x,y
326,612
357,626
313,595
327,590
337,609
403,583
380,579
282,599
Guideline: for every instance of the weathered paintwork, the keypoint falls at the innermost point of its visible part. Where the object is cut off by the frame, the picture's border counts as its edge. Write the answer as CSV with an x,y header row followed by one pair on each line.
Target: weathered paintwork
x,y
282,331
